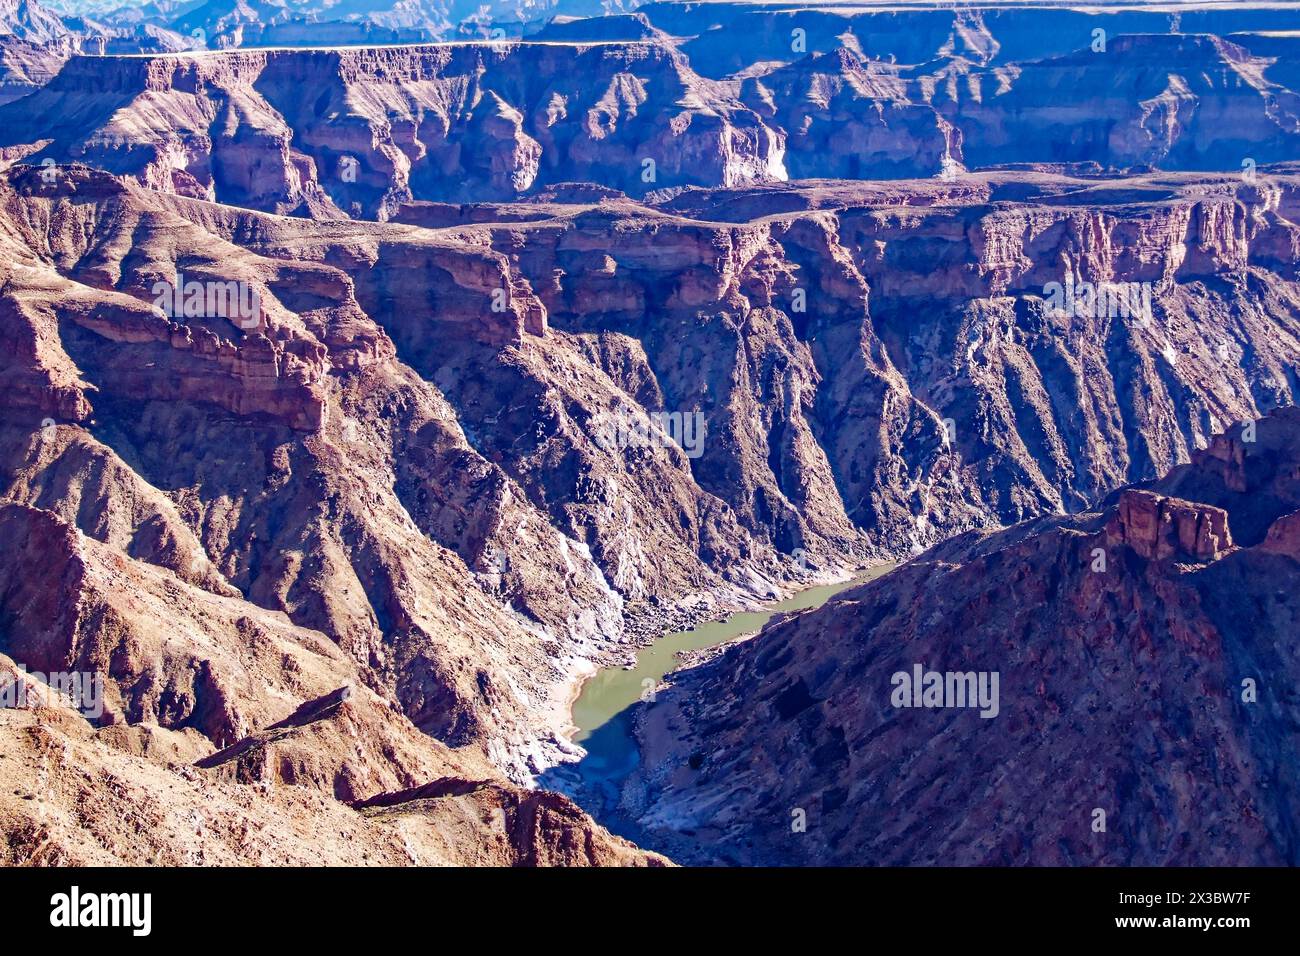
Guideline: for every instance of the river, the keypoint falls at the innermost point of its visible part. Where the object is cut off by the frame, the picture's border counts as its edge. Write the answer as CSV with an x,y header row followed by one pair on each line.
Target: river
x,y
602,712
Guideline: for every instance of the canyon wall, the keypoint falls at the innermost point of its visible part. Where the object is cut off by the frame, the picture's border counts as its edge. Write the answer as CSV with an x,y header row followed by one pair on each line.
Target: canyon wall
x,y
409,449
359,402
358,132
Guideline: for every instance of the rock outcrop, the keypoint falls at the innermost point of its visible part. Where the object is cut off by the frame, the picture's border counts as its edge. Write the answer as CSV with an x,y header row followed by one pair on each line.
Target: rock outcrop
x,y
1284,536
1161,529
534,828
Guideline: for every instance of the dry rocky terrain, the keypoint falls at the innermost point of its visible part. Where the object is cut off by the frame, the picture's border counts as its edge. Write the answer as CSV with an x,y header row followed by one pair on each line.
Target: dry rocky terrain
x,y
342,559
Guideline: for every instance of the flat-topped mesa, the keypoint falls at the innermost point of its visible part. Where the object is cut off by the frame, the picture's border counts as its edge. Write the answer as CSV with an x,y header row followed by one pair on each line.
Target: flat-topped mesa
x,y
1162,529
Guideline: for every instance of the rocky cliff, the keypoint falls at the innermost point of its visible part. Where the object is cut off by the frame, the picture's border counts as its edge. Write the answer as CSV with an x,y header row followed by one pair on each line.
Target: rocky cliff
x,y
307,747
726,36
25,67
278,130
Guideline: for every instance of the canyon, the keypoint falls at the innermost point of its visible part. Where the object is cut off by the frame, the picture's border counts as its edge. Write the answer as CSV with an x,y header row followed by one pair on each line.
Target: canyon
x,y
350,556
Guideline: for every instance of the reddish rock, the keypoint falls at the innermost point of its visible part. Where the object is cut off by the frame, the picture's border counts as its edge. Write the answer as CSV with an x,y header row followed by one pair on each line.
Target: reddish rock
x,y
186,672
1159,528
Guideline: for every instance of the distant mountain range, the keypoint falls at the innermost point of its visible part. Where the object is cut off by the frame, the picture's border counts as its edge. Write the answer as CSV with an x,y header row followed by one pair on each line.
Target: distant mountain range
x,y
103,26
731,37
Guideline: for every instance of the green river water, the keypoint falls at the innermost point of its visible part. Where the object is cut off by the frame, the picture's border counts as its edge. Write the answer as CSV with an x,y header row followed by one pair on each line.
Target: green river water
x,y
602,711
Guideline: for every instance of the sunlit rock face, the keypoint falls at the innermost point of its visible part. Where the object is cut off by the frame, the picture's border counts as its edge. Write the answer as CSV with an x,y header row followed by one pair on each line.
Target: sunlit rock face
x,y
308,131
358,131
408,447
